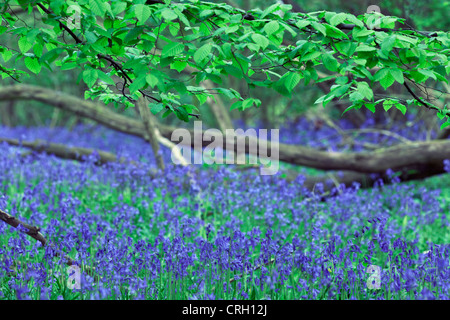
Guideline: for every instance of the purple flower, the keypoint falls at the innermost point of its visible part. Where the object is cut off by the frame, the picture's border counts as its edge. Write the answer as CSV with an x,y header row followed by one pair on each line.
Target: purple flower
x,y
447,165
384,246
426,294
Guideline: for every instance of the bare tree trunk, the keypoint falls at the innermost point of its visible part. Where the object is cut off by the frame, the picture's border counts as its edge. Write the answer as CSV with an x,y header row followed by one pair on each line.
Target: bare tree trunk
x,y
265,117
150,134
219,109
7,114
55,116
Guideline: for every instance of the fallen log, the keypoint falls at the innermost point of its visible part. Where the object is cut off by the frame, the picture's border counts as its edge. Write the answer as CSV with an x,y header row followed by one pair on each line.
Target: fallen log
x,y
65,152
329,180
421,154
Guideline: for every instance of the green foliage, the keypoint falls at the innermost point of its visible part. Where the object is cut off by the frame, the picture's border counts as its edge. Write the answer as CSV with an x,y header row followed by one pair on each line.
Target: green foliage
x,y
276,48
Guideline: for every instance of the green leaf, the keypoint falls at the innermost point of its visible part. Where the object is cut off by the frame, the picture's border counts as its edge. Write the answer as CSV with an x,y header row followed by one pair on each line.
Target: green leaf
x,y
232,29
270,9
226,92
24,44
356,96
133,34
325,99
385,77
205,13
240,64
355,20
302,23
174,29
311,56
398,75
388,22
370,106
233,71
387,104
380,74
190,108
334,32
90,37
31,35
7,55
142,12
118,7
338,19
417,76
319,27
98,7
180,87
440,115
38,49
236,105
407,39
165,114
387,81
362,32
445,124
214,78
330,62
33,64
69,65
156,107
365,48
138,83
182,114
181,16
90,76
172,49
387,45
342,80
291,79
178,65
202,97
226,49
340,90
365,90
168,14
248,103
271,27
427,73
346,47
401,107
202,53
105,78
260,40
349,108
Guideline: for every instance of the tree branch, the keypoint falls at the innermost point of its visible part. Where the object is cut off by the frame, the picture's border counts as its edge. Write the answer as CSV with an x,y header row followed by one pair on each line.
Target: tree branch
x,y
34,232
31,230
149,126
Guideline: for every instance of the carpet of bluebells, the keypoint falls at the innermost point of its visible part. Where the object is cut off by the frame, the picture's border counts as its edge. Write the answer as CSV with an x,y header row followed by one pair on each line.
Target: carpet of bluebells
x,y
235,235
